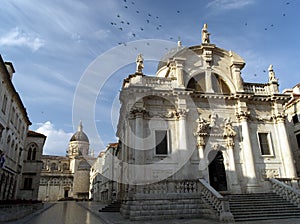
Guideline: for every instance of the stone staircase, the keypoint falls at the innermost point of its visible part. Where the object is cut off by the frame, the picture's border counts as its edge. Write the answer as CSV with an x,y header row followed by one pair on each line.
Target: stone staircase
x,y
261,206
113,207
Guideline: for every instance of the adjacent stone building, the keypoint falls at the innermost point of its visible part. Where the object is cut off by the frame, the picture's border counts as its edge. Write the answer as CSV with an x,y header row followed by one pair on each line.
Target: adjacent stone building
x,y
67,176
293,113
14,123
197,128
32,166
103,183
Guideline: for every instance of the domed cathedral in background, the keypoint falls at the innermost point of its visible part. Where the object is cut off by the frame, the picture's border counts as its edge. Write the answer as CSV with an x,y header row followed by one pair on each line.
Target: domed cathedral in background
x,y
67,176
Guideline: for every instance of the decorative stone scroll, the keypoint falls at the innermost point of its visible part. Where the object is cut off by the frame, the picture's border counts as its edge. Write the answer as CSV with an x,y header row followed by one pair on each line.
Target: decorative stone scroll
x,y
269,173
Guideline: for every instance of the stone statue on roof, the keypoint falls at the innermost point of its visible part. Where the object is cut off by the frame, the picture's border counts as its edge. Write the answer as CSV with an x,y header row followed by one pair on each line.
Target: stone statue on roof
x,y
205,35
272,77
139,64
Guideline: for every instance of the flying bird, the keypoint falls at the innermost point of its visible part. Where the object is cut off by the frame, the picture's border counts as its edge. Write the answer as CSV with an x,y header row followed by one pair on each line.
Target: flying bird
x,y
148,21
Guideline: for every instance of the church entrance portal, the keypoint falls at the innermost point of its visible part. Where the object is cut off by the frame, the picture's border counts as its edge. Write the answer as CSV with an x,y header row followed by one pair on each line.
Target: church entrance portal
x,y
217,174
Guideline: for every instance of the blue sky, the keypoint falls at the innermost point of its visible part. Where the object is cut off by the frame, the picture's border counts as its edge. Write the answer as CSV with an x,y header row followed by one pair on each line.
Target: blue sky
x,y
52,43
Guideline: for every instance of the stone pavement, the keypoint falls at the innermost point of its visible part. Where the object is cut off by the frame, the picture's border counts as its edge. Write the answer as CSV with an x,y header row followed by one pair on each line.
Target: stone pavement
x,y
116,218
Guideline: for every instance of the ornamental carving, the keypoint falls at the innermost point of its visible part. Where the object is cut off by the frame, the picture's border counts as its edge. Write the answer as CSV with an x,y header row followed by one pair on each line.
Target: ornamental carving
x,y
269,173
279,117
243,114
137,111
228,128
202,126
181,113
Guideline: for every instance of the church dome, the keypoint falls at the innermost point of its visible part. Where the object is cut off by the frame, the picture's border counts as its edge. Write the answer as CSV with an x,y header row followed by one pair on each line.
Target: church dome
x,y
79,135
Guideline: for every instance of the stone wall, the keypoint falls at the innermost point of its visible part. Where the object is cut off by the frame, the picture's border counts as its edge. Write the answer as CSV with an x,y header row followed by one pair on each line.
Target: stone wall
x,y
167,206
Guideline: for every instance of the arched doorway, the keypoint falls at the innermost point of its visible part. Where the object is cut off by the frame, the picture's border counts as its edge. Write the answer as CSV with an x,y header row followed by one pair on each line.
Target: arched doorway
x,y
217,174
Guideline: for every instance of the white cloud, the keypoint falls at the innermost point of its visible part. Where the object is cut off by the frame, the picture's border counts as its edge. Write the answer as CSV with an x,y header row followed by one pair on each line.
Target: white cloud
x,y
57,140
228,4
17,37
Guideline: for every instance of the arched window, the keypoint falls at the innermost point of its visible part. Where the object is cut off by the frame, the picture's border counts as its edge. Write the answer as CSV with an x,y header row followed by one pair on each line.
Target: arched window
x,y
53,166
65,166
31,155
218,85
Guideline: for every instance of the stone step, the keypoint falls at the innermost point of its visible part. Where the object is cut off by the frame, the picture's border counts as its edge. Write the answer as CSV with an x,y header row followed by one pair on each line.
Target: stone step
x,y
250,207
265,217
265,203
264,212
113,207
263,208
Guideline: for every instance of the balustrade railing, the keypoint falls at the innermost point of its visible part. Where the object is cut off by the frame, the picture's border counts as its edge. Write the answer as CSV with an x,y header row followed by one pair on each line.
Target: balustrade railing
x,y
157,82
285,191
216,200
261,89
173,186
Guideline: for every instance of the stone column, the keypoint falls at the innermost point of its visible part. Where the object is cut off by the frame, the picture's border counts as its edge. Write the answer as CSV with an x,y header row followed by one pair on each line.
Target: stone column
x,y
286,151
248,154
179,72
236,73
182,129
235,186
208,81
202,162
137,113
182,140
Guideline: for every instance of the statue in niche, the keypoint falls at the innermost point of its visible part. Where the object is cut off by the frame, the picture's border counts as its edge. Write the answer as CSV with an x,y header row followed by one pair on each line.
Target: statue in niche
x,y
228,129
202,125
271,74
205,35
213,120
139,64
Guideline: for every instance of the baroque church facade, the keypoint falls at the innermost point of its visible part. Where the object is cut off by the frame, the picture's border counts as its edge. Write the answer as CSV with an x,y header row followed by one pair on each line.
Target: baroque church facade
x,y
64,177
196,127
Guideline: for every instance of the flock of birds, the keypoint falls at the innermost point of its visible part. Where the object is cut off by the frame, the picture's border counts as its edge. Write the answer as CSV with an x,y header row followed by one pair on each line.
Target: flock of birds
x,y
151,22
